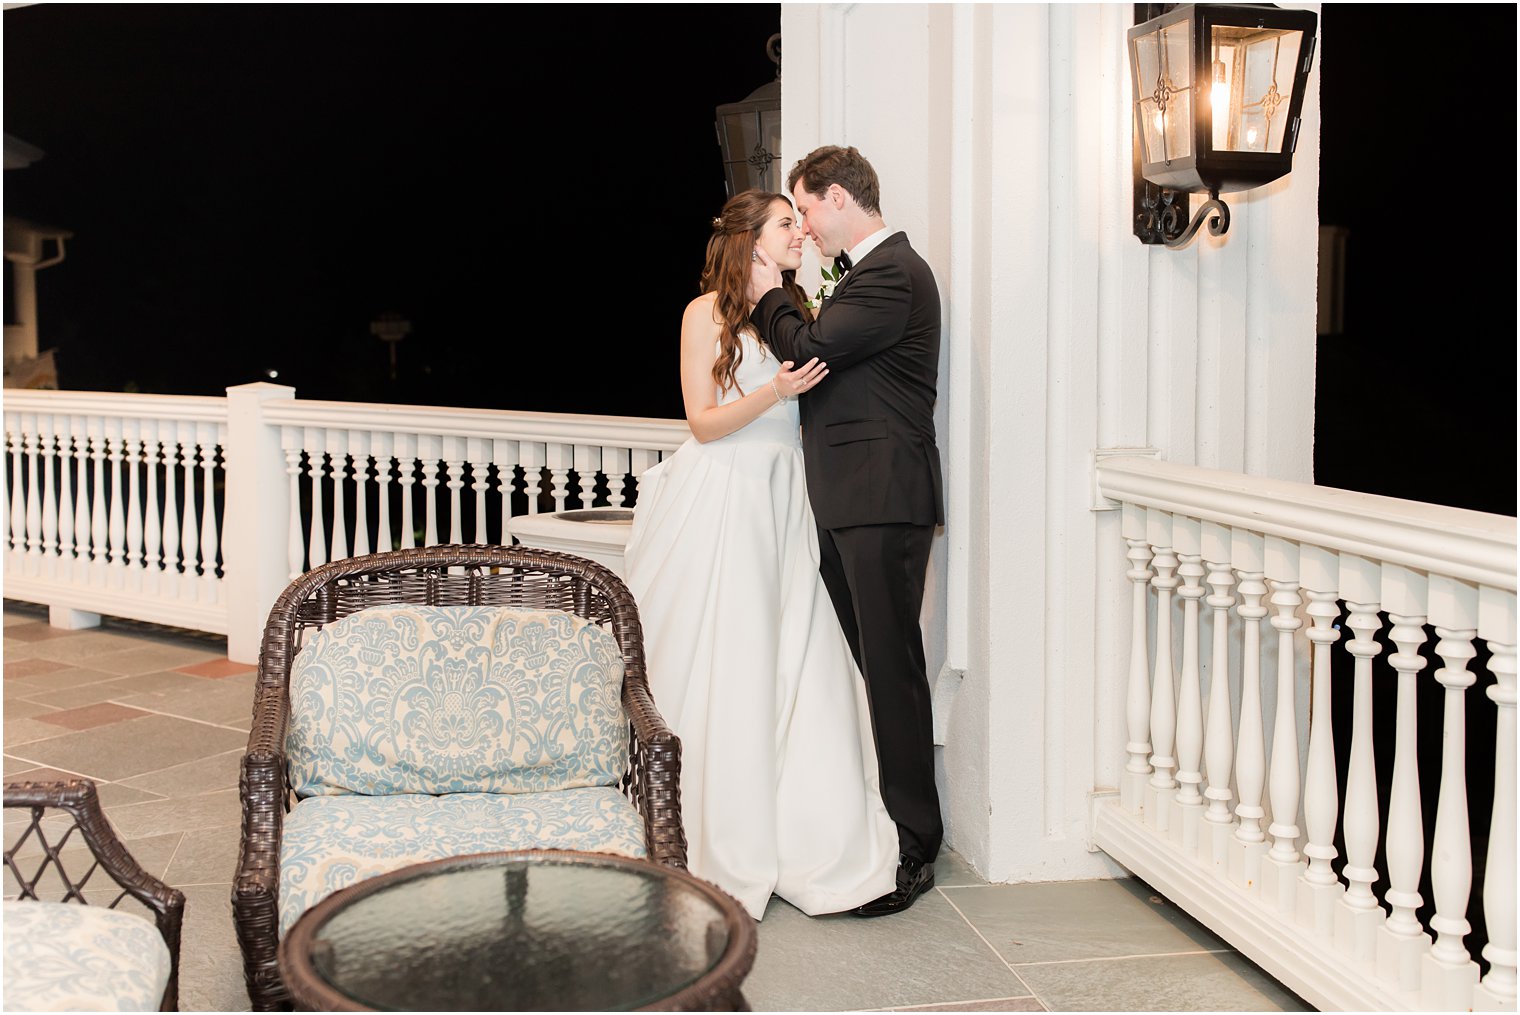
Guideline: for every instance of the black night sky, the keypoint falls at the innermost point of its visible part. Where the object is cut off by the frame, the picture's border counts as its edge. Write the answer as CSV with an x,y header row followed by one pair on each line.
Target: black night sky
x,y
249,186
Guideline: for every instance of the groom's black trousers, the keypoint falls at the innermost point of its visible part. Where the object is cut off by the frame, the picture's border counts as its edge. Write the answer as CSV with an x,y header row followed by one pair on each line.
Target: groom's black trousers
x,y
875,576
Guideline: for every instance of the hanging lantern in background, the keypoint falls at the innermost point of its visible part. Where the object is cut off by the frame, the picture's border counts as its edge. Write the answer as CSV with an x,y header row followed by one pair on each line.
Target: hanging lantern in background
x,y
749,133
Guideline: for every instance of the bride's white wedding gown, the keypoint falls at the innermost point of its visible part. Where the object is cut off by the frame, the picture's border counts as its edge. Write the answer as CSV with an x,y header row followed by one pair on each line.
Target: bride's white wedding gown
x,y
748,665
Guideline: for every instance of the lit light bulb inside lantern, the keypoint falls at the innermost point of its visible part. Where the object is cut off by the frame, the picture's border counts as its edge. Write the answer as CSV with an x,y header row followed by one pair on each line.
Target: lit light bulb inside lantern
x,y
1160,123
1251,137
1221,93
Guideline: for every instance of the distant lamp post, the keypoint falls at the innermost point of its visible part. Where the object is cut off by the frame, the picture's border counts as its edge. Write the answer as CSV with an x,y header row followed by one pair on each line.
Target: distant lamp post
x,y
1218,89
390,328
749,133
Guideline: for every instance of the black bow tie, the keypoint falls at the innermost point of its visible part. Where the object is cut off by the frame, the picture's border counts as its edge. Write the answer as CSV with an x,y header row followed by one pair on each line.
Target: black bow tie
x,y
842,262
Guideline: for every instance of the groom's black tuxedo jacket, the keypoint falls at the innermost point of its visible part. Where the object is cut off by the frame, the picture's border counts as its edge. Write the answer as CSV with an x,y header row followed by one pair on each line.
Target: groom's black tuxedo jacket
x,y
868,428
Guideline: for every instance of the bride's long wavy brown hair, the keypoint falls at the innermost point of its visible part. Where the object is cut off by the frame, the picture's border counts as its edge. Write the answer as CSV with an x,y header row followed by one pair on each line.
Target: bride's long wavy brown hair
x,y
727,274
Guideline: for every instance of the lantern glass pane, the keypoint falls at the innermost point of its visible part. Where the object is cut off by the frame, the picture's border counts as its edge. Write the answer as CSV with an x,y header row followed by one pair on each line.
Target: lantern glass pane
x,y
1254,72
1163,92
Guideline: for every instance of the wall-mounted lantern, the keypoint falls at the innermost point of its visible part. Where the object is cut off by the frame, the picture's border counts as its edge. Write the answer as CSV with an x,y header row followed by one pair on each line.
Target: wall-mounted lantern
x,y
749,133
1218,90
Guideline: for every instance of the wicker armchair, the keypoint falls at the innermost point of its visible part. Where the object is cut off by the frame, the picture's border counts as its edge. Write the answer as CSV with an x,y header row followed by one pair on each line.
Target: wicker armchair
x,y
62,933
436,576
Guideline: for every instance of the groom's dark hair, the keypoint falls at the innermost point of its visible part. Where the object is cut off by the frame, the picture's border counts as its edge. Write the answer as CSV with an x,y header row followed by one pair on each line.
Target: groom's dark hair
x,y
844,166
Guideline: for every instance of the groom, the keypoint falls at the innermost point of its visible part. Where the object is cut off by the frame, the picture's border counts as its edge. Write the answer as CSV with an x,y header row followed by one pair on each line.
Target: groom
x,y
872,470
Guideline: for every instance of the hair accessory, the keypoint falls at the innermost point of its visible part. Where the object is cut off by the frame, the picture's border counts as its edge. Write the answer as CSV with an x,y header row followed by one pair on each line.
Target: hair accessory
x,y
717,223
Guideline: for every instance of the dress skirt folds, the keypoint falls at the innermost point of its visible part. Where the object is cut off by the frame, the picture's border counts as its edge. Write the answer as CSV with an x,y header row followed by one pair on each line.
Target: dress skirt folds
x,y
748,664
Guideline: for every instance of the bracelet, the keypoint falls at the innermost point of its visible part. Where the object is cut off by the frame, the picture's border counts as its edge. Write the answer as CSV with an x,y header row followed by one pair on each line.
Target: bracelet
x,y
779,396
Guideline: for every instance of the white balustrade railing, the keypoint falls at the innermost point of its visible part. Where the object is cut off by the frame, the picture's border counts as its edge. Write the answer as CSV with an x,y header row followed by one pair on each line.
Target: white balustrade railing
x,y
1264,876
195,511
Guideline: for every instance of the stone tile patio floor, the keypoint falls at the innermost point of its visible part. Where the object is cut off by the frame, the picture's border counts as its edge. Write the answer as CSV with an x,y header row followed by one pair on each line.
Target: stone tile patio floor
x,y
159,718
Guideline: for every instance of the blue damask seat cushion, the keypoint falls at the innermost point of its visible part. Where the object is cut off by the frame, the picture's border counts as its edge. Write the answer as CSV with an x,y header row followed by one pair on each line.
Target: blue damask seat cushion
x,y
67,957
456,699
331,842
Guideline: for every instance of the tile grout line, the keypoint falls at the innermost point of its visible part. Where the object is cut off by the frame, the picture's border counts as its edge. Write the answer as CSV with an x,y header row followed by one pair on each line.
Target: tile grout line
x,y
1124,958
978,932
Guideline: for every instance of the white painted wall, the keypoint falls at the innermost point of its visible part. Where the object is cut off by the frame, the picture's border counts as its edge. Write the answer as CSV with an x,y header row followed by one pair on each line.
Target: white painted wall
x,y
1001,134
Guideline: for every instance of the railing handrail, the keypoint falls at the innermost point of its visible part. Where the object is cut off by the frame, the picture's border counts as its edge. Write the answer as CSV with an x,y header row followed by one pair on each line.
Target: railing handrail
x,y
1472,546
501,424
120,404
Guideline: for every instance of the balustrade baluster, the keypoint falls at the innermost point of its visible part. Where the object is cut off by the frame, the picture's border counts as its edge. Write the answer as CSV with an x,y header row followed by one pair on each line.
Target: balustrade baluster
x,y
534,458
428,452
169,434
588,462
1449,973
1190,698
46,431
14,511
132,457
1219,740
453,461
358,449
1497,991
116,530
31,444
477,454
1250,757
1359,914
383,445
190,522
1403,940
1138,695
560,458
504,455
98,524
406,459
615,465
83,512
1161,791
65,501
316,550
1282,868
642,460
1319,888
295,543
337,443
152,517
210,441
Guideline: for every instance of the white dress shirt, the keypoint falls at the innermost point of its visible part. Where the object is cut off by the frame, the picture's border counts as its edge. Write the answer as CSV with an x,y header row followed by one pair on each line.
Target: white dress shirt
x,y
865,246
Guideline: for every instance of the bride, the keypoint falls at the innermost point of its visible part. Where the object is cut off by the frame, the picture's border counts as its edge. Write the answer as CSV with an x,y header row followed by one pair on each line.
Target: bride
x,y
746,659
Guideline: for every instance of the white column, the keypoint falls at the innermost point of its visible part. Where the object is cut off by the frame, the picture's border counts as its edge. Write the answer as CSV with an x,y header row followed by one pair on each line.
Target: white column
x,y
588,462
1318,887
1496,625
79,427
534,457
262,513
209,437
477,453
1249,845
65,501
32,442
170,579
15,515
615,465
189,531
132,453
504,455
1138,697
1219,740
641,460
560,458
99,527
1281,869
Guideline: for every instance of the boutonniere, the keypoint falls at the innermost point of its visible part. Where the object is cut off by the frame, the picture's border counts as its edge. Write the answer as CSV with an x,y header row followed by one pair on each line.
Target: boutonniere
x,y
831,277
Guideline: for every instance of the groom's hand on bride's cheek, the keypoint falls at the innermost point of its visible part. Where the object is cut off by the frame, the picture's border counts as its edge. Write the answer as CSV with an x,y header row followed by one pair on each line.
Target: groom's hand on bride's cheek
x,y
763,275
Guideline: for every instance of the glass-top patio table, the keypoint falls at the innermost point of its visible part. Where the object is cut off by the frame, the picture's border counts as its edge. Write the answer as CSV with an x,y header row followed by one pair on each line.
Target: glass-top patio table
x,y
532,930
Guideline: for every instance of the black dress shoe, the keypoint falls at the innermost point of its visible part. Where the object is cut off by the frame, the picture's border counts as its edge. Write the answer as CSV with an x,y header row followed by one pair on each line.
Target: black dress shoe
x,y
914,878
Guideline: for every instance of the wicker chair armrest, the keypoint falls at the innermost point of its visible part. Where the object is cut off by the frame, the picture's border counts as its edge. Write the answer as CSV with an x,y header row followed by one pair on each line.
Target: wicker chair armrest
x,y
654,776
79,799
